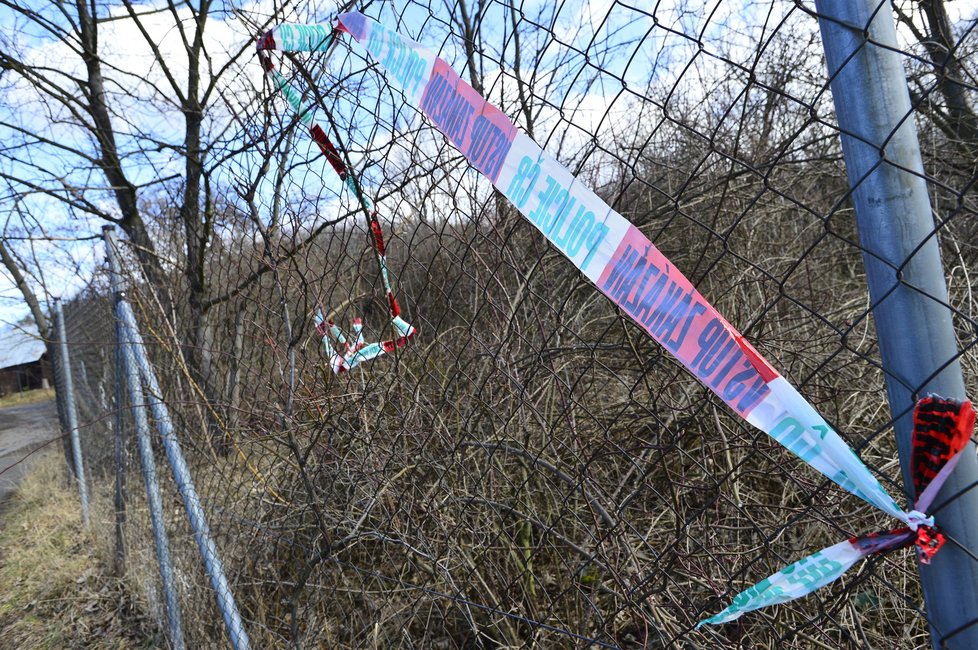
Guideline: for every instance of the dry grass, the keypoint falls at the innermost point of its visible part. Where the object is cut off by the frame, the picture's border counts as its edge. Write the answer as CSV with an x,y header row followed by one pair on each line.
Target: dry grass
x,y
26,397
55,592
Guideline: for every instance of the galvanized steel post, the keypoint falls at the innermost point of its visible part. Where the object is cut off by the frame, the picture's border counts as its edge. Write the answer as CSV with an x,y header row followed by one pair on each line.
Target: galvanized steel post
x,y
67,390
128,371
906,280
119,449
181,475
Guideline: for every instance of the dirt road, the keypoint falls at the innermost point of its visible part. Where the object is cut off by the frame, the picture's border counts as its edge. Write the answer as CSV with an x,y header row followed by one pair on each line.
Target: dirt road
x,y
22,430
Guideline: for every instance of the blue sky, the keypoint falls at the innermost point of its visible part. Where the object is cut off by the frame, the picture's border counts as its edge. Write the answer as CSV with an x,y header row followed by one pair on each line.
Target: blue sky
x,y
631,48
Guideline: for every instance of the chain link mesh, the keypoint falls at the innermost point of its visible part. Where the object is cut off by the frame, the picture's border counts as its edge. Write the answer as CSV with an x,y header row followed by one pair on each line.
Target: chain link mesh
x,y
532,471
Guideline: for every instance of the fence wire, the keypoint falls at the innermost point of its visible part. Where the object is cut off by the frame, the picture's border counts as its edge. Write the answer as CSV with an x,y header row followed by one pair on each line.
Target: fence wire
x,y
532,470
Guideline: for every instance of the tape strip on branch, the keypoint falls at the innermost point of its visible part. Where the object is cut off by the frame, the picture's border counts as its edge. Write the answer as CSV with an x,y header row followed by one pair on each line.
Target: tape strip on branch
x,y
345,354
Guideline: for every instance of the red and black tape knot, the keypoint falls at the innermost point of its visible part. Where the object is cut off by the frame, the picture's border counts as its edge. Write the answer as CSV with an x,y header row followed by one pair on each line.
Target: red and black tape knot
x,y
929,541
267,41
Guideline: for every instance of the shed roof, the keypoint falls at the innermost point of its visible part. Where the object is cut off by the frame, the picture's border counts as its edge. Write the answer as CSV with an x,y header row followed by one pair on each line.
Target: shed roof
x,y
20,344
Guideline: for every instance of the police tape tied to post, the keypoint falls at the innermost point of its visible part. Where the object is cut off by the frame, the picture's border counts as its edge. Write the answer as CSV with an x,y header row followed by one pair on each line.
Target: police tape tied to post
x,y
627,267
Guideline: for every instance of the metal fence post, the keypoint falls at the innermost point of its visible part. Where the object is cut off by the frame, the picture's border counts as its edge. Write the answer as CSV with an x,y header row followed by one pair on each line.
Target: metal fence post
x,y
67,390
153,497
119,449
906,280
59,397
181,472
127,371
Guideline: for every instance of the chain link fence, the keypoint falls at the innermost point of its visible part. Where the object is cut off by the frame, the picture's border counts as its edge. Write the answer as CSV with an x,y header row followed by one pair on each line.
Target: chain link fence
x,y
532,470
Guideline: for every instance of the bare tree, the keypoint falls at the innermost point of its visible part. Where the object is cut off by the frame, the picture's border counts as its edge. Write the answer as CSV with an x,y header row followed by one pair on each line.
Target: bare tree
x,y
954,112
95,134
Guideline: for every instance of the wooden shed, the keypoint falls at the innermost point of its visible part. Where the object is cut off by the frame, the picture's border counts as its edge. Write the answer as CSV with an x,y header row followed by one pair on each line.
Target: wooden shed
x,y
24,363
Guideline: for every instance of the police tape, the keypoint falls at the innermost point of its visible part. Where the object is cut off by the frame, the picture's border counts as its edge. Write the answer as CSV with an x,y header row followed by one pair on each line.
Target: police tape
x,y
627,267
348,354
344,357
942,429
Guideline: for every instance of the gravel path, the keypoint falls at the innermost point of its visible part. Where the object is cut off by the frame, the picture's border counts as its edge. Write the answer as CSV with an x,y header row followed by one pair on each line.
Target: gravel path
x,y
22,430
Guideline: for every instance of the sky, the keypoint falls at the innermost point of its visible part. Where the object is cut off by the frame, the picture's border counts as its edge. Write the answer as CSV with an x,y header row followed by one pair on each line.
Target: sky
x,y
133,76
680,44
